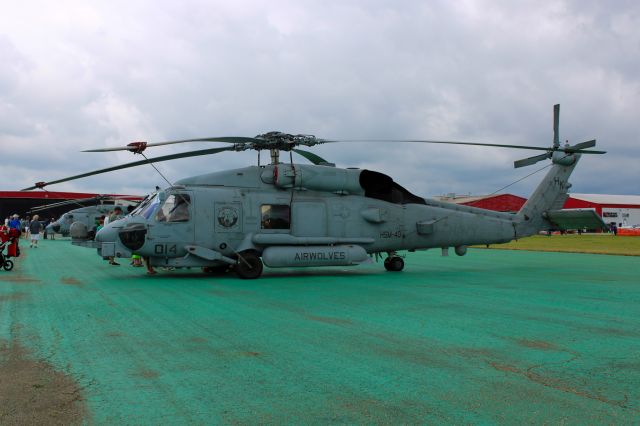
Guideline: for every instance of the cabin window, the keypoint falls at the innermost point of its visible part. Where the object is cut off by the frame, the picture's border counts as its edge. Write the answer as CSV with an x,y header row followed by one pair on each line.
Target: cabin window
x,y
174,209
275,216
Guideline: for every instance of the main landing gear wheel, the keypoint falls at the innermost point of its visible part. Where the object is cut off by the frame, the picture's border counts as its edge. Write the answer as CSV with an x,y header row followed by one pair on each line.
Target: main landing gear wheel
x,y
394,264
8,265
249,265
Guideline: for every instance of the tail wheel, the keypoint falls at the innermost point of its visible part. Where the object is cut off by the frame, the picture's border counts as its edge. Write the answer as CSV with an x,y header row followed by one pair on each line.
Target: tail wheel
x,y
249,265
394,264
8,265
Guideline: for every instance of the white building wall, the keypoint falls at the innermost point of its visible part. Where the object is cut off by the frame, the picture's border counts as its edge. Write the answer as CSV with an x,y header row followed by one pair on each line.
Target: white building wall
x,y
621,216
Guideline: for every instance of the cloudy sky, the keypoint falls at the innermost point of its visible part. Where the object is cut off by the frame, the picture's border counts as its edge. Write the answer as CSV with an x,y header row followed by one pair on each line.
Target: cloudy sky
x,y
78,75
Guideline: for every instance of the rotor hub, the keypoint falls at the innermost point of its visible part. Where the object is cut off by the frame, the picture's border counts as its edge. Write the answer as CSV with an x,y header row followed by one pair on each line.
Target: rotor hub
x,y
283,141
137,147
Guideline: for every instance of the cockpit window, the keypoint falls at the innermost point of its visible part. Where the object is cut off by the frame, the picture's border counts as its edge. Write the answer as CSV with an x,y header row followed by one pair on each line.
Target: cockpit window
x,y
174,209
147,207
142,204
275,216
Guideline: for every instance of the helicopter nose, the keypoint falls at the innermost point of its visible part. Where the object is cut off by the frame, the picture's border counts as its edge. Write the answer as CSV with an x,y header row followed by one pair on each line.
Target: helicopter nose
x,y
133,235
107,235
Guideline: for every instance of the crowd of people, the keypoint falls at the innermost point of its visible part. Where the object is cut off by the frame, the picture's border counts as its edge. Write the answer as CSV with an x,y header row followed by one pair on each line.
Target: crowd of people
x,y
32,228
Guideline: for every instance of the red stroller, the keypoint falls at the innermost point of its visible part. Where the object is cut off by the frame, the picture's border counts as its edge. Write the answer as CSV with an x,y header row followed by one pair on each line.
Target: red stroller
x,y
9,239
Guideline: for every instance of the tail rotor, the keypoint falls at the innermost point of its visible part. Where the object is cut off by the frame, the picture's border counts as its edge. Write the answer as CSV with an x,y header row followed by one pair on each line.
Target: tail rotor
x,y
563,155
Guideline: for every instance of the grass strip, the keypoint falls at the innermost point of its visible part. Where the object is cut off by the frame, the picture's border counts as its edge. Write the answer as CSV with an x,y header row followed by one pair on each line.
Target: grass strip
x,y
576,243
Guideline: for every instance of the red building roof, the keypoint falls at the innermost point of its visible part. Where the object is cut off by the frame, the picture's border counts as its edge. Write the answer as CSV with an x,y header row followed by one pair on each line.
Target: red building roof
x,y
513,203
499,202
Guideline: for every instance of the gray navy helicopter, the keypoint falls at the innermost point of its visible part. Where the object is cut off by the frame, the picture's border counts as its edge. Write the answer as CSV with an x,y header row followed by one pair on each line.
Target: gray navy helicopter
x,y
306,215
87,215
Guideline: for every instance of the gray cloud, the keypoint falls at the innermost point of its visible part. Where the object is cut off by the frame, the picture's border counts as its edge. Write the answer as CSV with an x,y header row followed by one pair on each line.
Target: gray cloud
x,y
84,75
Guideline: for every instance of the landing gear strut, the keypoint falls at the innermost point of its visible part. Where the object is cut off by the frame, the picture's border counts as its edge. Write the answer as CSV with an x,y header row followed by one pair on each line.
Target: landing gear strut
x,y
393,263
249,265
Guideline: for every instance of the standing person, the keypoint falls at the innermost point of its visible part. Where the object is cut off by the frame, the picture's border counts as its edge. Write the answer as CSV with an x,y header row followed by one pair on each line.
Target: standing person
x,y
25,227
14,223
136,260
115,215
35,227
100,224
150,269
53,233
14,230
106,219
45,223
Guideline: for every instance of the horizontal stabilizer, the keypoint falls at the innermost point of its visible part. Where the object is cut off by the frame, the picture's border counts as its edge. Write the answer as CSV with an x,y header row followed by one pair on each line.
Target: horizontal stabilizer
x,y
576,219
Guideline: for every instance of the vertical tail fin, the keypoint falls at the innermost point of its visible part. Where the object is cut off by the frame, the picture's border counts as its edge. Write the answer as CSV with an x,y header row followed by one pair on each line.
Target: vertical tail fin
x,y
549,195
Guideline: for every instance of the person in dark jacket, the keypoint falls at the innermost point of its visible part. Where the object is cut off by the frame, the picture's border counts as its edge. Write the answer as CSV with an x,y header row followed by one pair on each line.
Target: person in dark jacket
x,y
35,227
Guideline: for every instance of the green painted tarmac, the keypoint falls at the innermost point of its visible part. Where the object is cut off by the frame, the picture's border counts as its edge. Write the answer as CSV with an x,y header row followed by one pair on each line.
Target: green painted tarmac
x,y
495,337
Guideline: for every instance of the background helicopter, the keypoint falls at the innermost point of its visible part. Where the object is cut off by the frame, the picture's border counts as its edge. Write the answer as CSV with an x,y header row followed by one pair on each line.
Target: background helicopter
x,y
286,215
85,214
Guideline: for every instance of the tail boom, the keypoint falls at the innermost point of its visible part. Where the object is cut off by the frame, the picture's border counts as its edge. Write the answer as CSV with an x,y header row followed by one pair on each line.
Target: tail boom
x,y
549,195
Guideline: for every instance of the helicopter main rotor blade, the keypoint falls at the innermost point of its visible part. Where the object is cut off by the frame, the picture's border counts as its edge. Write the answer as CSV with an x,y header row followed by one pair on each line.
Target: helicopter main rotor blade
x,y
576,149
315,159
134,164
135,146
539,148
63,203
80,201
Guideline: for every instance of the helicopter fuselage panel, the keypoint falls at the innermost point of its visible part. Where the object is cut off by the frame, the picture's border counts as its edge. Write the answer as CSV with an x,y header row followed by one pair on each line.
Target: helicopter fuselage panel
x,y
208,213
